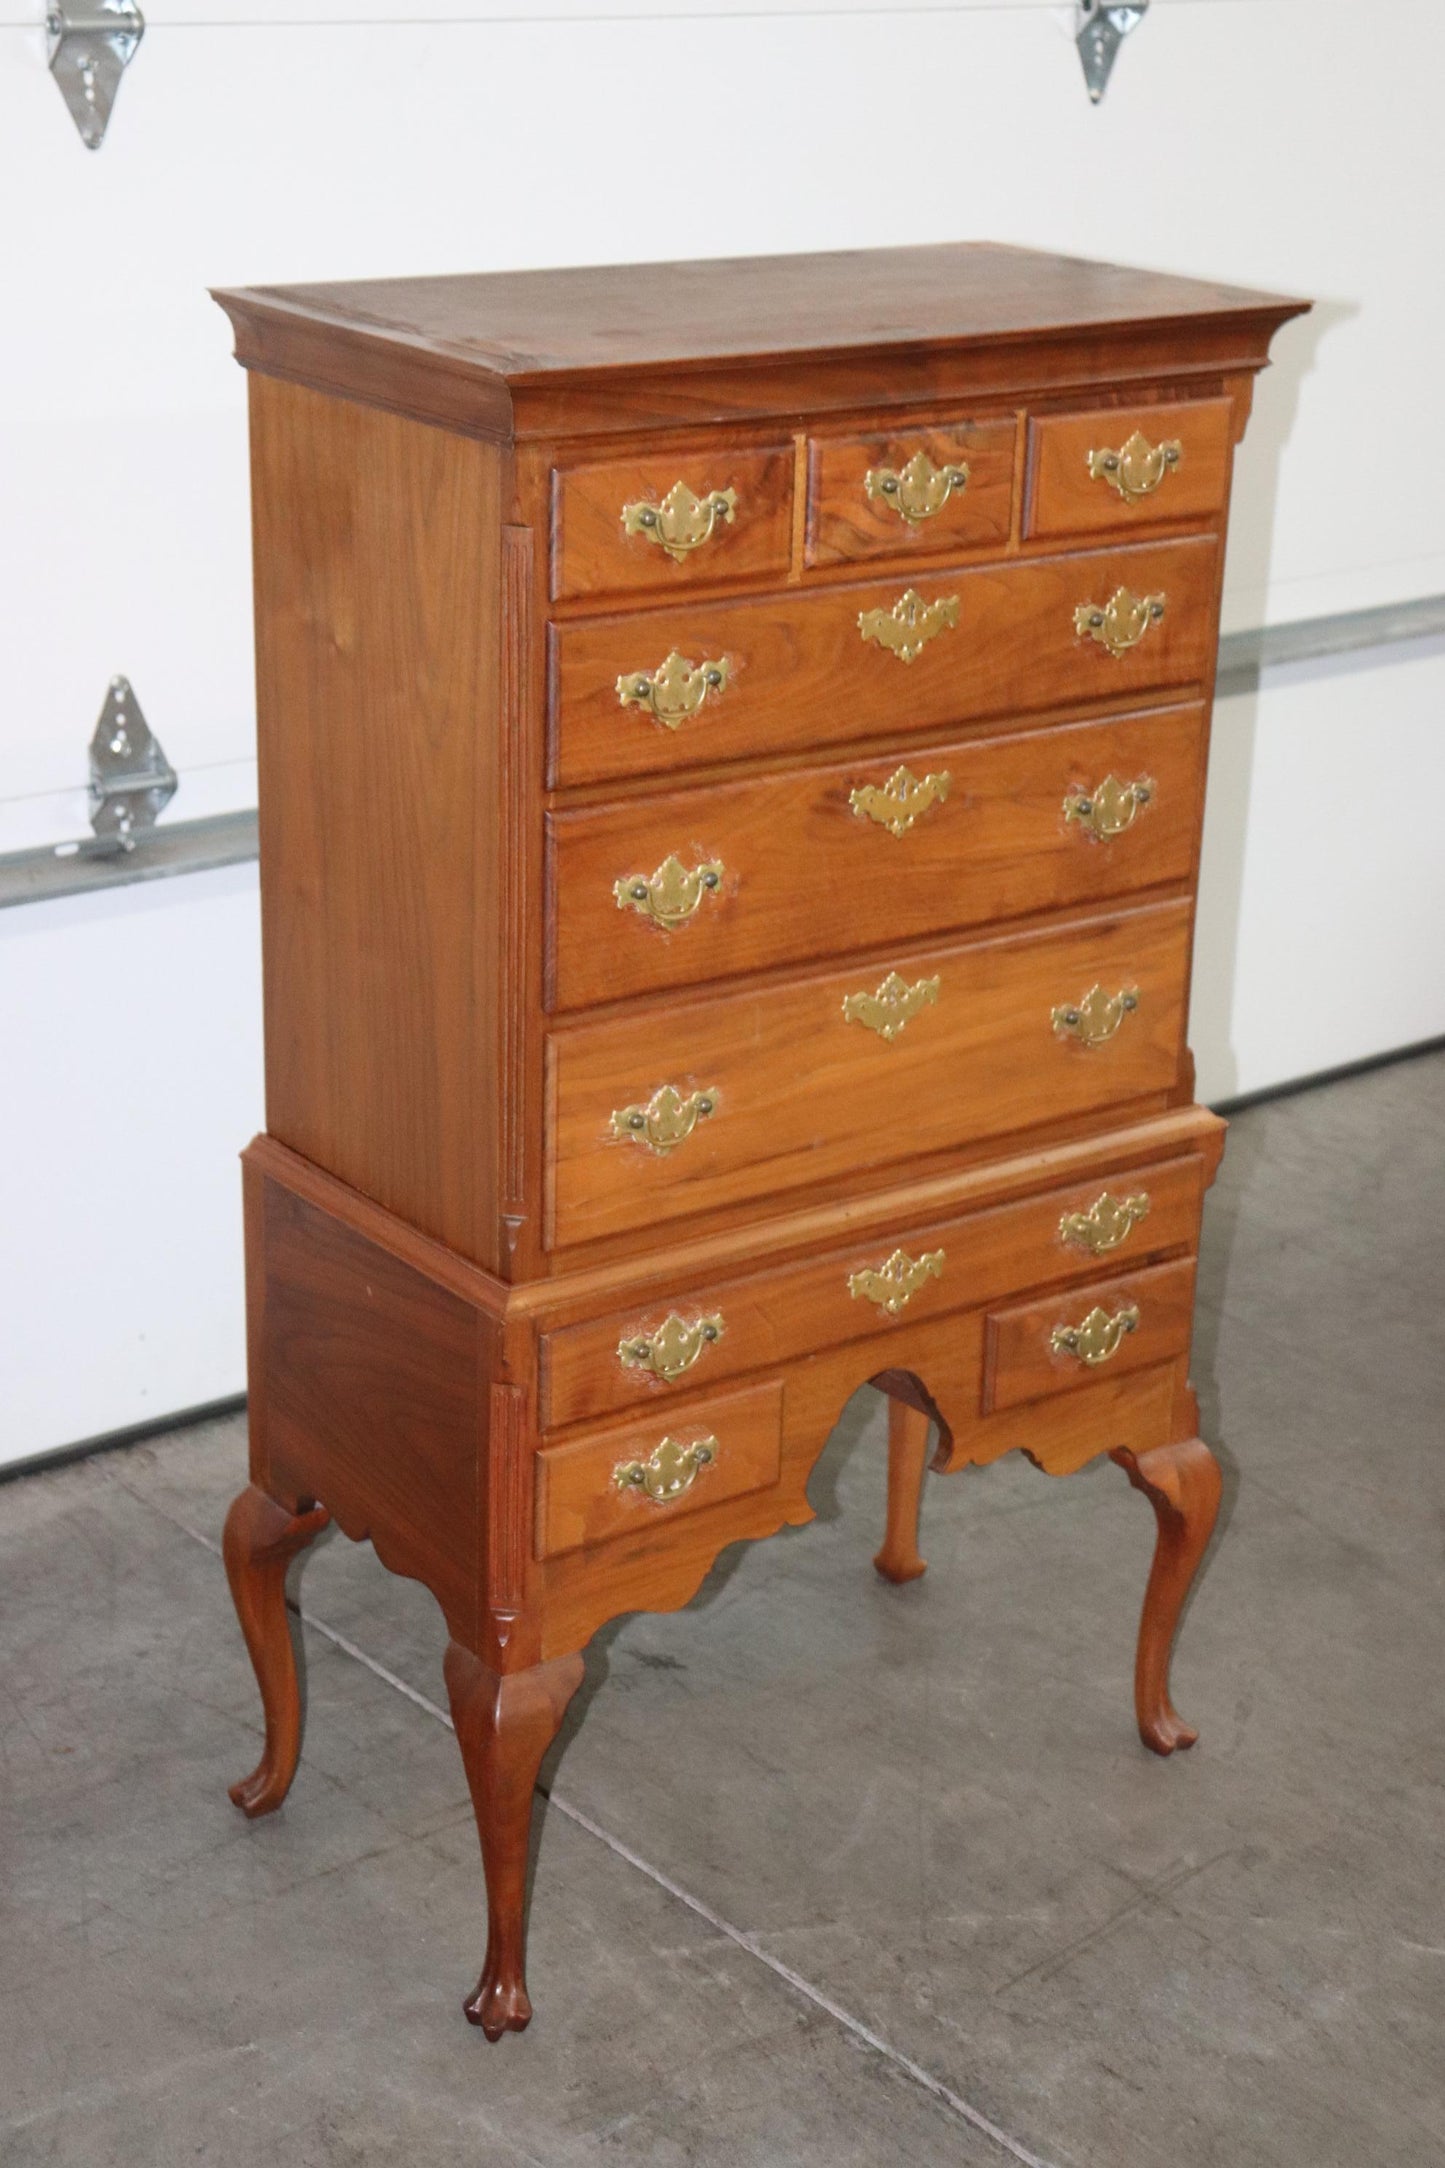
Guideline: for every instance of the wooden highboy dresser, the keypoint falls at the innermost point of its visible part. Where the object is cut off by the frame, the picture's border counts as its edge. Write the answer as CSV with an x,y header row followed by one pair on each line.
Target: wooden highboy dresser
x,y
732,748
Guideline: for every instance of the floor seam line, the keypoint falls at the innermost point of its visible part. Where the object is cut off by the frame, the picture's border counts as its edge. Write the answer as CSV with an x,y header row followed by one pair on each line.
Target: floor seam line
x,y
745,1941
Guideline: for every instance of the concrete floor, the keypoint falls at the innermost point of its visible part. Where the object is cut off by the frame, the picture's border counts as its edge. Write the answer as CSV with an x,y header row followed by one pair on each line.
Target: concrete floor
x,y
945,1908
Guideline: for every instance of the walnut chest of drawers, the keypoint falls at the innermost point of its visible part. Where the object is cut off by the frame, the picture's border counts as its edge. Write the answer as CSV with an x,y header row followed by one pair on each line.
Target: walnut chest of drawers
x,y
732,753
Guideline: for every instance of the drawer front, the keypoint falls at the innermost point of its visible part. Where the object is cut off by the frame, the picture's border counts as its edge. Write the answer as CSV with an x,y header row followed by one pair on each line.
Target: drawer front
x,y
671,520
658,1352
644,1476
924,493
740,1098
705,884
650,694
1101,1329
1117,469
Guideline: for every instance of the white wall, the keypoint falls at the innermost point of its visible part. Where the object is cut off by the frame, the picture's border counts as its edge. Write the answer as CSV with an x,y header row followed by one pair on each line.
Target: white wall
x,y
1287,143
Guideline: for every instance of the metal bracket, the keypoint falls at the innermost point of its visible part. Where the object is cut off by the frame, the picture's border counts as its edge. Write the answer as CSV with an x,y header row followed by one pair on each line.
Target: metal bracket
x,y
90,43
131,781
1099,30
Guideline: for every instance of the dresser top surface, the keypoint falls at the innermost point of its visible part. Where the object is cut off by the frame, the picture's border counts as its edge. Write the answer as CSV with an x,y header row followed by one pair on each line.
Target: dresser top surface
x,y
519,325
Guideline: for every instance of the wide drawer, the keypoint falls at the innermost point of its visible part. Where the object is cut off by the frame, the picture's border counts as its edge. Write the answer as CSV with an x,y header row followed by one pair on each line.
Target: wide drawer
x,y
1104,1328
736,1099
647,1474
670,520
708,883
659,1351
925,493
1114,469
655,692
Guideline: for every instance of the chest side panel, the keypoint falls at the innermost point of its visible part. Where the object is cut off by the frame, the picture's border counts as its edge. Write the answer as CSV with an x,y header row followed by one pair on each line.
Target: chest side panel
x,y
376,568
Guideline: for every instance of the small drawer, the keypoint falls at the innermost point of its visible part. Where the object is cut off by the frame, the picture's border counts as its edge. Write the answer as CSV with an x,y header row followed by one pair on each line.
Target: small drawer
x,y
708,884
1115,469
923,651
1102,1328
664,521
735,1099
923,493
640,1477
660,1351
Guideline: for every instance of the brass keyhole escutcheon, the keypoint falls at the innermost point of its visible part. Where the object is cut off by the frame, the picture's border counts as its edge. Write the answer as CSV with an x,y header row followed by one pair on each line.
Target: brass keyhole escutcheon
x,y
889,1009
895,1282
907,628
903,799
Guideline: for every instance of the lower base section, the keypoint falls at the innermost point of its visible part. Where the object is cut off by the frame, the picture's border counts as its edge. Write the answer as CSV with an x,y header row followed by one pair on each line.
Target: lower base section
x,y
545,1458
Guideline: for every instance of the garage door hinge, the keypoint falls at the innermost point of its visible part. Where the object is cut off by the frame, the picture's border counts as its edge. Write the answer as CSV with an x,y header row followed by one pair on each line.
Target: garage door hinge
x,y
131,781
90,44
1099,30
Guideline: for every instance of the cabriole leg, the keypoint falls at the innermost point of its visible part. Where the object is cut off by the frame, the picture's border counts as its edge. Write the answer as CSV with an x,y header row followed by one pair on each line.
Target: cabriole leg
x,y
1182,1482
505,1724
261,1538
909,1430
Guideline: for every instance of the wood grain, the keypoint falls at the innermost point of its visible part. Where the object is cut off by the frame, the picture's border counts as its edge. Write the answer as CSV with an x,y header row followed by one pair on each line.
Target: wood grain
x,y
782,1315
579,1503
645,344
1066,500
372,1384
802,677
846,524
593,554
377,548
1020,1364
801,1093
805,875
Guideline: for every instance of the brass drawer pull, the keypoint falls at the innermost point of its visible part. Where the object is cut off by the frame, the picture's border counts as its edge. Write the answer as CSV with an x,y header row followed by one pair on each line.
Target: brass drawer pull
x,y
1138,467
675,691
1108,1222
895,1283
673,1348
1121,622
919,490
1097,1338
907,628
672,894
887,1011
1110,809
902,800
1097,1017
668,1471
666,1120
682,522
